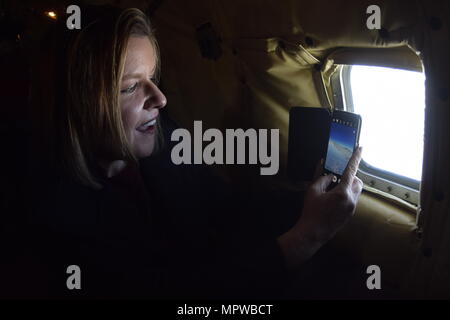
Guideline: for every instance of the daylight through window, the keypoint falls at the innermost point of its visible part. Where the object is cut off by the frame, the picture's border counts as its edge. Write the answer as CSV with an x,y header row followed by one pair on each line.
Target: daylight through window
x,y
391,103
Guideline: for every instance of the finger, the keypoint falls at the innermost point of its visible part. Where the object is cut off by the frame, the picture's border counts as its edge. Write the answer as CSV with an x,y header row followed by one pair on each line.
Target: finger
x,y
323,183
351,169
319,170
357,186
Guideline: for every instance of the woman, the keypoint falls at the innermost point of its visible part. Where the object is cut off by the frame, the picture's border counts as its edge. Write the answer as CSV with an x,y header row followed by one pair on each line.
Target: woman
x,y
137,225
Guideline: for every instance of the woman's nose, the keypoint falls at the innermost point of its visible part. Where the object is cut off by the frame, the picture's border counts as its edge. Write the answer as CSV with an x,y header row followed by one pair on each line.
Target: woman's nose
x,y
155,98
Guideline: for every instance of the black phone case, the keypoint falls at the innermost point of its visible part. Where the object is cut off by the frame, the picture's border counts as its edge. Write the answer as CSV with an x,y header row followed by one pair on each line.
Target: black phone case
x,y
308,140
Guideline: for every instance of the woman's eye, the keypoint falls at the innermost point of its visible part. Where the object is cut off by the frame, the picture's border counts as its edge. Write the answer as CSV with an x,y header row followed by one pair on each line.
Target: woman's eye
x,y
154,80
129,89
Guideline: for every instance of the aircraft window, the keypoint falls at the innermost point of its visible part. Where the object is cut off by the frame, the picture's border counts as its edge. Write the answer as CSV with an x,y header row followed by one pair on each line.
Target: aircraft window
x,y
391,103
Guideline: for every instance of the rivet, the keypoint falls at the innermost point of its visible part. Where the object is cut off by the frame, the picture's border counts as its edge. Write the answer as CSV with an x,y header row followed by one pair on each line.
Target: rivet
x,y
419,233
309,41
372,183
407,195
389,189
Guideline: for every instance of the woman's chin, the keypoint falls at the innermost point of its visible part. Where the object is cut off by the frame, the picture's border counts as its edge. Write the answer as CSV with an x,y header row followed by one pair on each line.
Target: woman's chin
x,y
144,151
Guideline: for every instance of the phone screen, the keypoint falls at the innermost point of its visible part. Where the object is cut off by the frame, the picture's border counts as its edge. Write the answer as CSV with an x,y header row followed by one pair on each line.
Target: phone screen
x,y
343,135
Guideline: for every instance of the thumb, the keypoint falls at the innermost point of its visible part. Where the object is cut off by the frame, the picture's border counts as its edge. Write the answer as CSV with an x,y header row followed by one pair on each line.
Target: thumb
x,y
322,183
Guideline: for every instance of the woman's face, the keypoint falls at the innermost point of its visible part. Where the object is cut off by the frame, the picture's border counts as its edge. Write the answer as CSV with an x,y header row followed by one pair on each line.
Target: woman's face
x,y
140,98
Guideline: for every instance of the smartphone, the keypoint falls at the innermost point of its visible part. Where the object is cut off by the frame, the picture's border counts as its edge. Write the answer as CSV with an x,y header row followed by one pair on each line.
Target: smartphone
x,y
343,139
305,153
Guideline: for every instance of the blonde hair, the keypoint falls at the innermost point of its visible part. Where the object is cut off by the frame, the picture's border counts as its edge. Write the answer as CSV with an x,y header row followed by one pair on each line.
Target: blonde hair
x,y
85,116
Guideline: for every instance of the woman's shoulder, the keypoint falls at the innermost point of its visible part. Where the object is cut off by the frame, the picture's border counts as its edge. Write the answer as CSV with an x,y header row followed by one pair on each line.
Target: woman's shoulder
x,y
58,203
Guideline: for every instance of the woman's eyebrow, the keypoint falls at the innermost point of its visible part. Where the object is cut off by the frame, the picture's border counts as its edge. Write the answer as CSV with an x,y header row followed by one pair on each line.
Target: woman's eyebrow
x,y
135,75
132,76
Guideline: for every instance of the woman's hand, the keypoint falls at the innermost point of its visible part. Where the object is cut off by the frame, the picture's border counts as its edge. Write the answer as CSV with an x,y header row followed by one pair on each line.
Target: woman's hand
x,y
324,213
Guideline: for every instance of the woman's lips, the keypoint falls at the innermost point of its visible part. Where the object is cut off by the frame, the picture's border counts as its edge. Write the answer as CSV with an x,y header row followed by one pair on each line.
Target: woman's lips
x,y
148,127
